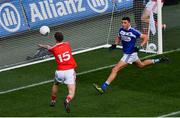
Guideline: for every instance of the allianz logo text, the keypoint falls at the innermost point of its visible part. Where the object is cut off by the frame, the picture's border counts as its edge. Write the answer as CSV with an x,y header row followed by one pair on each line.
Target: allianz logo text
x,y
98,6
47,9
10,19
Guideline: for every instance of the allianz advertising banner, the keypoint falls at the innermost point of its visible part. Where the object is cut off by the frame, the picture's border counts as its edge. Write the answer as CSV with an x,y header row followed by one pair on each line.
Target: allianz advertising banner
x,y
11,18
52,12
14,13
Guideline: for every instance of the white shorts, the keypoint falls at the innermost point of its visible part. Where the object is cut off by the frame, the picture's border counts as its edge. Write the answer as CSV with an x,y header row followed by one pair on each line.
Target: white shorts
x,y
130,58
66,76
152,6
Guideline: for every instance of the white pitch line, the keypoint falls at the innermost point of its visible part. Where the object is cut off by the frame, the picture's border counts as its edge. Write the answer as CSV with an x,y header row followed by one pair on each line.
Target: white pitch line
x,y
48,81
85,72
169,114
24,87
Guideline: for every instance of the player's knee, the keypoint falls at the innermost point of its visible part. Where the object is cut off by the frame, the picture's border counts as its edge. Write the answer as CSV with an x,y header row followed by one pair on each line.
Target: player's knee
x,y
141,66
114,70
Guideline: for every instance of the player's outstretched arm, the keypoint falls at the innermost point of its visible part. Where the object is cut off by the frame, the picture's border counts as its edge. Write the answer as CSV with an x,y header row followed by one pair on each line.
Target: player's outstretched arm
x,y
144,38
44,46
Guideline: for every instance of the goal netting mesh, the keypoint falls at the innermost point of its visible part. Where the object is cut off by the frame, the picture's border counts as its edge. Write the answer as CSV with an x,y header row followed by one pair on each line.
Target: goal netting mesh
x,y
83,35
135,14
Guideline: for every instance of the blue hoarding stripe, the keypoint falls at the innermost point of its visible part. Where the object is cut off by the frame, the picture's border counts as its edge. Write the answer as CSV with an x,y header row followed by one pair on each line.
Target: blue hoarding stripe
x,y
51,12
11,18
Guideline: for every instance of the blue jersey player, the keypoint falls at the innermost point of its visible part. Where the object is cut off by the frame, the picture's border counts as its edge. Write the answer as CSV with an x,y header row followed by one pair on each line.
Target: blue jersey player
x,y
128,37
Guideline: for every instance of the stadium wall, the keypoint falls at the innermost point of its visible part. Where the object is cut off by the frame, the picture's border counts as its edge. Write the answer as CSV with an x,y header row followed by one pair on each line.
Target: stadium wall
x,y
17,16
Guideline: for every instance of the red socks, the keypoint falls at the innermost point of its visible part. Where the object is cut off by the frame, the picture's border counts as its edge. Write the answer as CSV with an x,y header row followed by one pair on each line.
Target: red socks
x,y
68,99
53,98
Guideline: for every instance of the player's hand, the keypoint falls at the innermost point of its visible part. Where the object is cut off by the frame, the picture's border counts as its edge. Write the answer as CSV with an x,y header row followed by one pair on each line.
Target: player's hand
x,y
137,48
39,45
113,46
44,46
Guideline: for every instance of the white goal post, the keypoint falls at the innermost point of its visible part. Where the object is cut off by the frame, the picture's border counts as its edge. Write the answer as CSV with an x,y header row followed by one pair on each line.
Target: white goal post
x,y
133,14
84,35
160,36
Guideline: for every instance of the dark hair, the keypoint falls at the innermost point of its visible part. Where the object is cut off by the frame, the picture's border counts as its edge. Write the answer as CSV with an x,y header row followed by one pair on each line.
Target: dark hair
x,y
59,36
126,18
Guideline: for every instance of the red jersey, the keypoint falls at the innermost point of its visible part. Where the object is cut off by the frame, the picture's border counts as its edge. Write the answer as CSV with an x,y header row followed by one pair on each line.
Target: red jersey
x,y
63,55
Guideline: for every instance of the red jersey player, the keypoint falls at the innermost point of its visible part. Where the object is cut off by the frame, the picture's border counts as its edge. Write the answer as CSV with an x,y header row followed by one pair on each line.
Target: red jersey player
x,y
65,73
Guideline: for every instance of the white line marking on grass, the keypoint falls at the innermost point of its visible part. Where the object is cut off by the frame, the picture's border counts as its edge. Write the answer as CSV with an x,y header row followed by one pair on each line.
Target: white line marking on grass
x,y
81,73
49,59
48,81
170,114
24,87
97,69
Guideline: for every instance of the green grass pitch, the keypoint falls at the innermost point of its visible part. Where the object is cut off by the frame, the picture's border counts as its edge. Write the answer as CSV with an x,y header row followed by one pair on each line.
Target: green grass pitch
x,y
153,91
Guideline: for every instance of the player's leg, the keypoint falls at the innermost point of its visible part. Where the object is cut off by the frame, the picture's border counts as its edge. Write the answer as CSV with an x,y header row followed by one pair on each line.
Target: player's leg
x,y
150,7
137,9
145,20
70,96
145,16
54,93
59,78
71,92
120,65
70,80
142,64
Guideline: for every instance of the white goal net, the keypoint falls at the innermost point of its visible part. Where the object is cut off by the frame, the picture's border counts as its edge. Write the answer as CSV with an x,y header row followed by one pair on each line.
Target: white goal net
x,y
84,35
136,15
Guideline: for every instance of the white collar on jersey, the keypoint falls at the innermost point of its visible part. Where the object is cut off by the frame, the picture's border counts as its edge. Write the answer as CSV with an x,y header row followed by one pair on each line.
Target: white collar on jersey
x,y
129,27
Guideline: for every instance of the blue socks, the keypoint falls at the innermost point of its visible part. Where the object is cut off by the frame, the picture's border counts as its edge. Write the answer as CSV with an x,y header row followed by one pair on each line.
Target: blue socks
x,y
156,60
104,86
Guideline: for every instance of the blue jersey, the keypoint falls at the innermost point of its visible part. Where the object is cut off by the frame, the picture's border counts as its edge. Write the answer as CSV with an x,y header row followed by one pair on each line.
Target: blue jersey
x,y
128,39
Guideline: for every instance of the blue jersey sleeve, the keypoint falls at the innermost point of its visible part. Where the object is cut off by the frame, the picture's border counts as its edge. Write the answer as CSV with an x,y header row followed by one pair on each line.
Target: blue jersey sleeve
x,y
137,33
